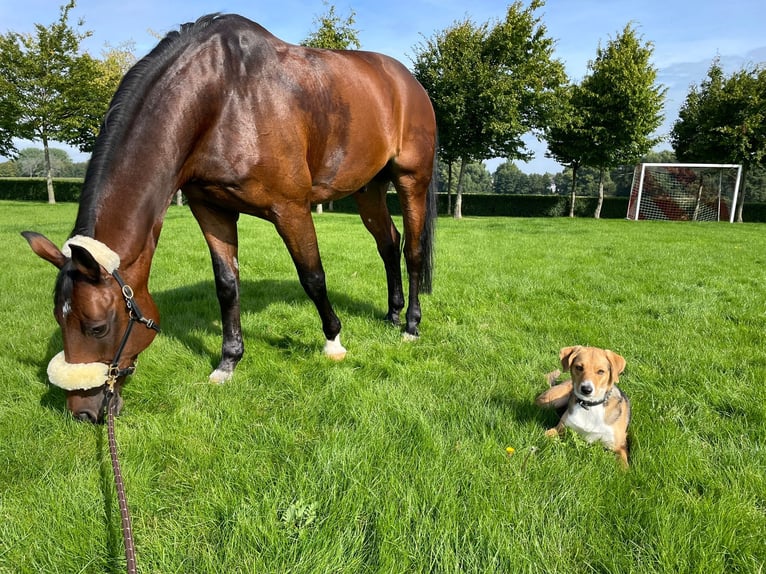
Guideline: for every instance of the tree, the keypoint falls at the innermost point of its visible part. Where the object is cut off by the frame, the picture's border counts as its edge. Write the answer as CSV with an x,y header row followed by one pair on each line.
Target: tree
x,y
567,136
620,104
724,120
477,179
490,85
31,162
509,179
49,91
333,33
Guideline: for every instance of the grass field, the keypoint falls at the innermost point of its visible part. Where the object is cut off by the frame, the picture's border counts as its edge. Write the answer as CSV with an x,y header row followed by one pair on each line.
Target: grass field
x,y
395,459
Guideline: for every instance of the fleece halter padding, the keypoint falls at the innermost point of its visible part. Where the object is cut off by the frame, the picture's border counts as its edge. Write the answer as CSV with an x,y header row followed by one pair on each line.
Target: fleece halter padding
x,y
104,256
83,376
76,376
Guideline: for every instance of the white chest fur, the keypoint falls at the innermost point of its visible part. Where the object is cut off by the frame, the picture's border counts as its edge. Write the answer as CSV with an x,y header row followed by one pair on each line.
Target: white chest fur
x,y
590,423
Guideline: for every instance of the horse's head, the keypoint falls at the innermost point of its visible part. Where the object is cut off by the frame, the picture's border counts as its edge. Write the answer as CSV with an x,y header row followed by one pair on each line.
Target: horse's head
x,y
96,311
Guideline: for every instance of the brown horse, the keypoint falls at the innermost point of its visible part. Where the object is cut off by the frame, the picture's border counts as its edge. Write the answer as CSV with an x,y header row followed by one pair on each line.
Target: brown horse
x,y
242,122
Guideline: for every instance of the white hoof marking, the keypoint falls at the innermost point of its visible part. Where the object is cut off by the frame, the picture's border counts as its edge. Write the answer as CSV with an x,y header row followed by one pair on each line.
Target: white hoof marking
x,y
409,337
219,377
334,350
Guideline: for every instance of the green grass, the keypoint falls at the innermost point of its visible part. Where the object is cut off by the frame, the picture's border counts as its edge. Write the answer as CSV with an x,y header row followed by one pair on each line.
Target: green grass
x,y
395,459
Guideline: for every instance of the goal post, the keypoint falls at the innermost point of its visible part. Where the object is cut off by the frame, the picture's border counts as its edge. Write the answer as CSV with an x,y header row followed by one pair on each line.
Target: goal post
x,y
685,191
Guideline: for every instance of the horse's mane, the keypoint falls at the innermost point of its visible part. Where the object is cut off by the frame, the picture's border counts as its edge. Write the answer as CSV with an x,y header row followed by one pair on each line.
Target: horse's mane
x,y
124,106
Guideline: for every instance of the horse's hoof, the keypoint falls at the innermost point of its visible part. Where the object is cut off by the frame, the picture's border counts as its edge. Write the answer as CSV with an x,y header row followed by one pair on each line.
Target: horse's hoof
x,y
219,377
334,350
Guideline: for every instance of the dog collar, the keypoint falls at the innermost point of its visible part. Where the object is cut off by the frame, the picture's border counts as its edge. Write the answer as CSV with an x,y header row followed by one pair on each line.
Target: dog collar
x,y
588,404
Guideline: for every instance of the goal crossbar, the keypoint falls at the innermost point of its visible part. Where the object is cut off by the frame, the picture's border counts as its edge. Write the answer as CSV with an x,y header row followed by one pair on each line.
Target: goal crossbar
x,y
638,201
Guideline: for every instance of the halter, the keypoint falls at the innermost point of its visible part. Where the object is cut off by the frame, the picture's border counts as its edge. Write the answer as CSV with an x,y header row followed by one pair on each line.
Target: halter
x,y
84,376
134,316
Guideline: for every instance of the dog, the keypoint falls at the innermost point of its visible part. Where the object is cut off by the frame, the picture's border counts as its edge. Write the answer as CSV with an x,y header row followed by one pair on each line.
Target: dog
x,y
591,402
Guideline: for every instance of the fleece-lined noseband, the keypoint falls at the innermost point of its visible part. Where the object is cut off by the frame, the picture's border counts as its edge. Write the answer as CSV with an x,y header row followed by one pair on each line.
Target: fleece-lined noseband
x,y
83,376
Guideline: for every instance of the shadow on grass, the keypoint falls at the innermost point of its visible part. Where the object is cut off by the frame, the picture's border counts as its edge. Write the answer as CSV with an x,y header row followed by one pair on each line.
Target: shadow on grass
x,y
200,302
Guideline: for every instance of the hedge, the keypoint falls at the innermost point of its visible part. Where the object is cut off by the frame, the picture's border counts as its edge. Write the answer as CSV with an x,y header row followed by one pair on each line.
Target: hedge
x,y
474,205
36,189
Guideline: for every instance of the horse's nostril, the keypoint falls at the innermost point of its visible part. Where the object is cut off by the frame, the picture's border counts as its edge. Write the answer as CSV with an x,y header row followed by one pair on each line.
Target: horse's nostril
x,y
85,417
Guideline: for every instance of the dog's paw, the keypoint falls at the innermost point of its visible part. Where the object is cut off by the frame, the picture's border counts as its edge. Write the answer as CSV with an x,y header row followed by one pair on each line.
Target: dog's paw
x,y
552,433
552,376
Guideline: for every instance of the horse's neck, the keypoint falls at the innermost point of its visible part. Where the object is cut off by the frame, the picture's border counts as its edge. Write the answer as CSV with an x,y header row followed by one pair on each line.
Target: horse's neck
x,y
143,166
128,219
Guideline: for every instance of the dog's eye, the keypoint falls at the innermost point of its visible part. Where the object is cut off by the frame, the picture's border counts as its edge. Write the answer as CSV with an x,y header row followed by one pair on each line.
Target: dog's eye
x,y
601,371
579,368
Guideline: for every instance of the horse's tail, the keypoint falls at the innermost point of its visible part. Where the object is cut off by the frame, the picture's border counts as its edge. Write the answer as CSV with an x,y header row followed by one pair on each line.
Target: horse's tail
x,y
429,229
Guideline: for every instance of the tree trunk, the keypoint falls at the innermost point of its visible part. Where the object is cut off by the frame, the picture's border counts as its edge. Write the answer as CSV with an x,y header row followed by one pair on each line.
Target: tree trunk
x,y
179,198
449,188
600,202
459,196
48,170
698,202
574,185
741,198
319,208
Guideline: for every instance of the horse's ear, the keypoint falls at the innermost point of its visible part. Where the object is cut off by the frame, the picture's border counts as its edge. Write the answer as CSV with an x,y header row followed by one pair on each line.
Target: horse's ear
x,y
45,248
85,263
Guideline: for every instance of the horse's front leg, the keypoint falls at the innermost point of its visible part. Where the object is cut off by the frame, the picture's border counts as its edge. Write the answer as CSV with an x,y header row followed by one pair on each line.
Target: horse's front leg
x,y
295,226
220,230
374,213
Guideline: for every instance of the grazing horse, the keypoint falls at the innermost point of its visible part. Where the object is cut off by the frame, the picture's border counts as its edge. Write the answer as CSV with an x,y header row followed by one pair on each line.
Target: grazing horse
x,y
242,122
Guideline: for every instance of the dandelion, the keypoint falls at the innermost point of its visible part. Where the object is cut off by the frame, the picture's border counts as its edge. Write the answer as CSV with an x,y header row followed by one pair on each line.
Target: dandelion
x,y
510,450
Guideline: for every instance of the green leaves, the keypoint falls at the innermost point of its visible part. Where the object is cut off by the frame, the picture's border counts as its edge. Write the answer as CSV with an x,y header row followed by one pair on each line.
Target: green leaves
x,y
332,32
490,84
722,119
49,90
620,102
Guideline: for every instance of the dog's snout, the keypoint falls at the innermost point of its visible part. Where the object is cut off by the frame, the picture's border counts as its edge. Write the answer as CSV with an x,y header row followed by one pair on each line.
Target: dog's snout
x,y
586,388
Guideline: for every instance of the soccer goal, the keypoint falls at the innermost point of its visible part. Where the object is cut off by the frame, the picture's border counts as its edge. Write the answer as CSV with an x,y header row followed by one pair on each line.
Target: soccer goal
x,y
684,191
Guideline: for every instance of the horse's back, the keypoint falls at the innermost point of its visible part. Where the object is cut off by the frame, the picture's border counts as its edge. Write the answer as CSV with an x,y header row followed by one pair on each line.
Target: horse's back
x,y
323,122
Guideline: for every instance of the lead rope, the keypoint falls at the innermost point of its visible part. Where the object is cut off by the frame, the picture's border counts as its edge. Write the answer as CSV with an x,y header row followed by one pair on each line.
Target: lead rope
x,y
127,529
135,315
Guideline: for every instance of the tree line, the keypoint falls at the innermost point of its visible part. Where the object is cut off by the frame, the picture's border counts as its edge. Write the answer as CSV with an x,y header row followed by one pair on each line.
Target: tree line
x,y
490,83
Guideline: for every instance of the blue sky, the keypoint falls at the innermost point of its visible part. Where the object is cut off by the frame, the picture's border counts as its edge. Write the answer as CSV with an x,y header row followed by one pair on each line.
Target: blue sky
x,y
687,35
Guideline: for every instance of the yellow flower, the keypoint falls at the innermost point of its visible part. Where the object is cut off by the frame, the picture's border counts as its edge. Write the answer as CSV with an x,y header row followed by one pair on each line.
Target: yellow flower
x,y
510,450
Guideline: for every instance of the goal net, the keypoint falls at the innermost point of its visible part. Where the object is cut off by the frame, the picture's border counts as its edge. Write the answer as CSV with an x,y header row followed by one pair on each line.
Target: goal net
x,y
684,191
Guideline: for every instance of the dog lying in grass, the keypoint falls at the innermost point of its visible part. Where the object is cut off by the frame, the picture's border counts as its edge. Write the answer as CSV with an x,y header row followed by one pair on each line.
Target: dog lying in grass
x,y
592,404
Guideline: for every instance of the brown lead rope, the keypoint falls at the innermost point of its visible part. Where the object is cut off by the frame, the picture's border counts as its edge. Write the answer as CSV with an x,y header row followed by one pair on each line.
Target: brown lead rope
x,y
127,529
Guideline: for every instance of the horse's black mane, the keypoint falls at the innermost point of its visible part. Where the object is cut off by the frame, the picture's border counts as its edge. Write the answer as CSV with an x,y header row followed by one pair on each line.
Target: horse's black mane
x,y
123,106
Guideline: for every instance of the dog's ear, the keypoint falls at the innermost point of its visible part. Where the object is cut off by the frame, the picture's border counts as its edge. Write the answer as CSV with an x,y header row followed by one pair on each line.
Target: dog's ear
x,y
617,363
567,354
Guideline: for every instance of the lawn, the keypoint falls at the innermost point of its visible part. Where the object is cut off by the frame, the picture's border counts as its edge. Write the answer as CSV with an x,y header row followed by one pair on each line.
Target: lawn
x,y
395,460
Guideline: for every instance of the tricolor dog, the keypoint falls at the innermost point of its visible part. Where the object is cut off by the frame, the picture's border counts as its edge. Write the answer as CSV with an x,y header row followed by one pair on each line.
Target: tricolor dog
x,y
594,407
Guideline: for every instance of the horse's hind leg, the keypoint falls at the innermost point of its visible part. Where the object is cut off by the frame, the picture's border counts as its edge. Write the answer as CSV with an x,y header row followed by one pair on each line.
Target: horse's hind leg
x,y
220,229
374,213
295,226
412,192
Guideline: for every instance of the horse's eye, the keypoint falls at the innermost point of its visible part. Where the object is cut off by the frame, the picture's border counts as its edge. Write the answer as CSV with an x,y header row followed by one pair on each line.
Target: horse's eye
x,y
97,331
